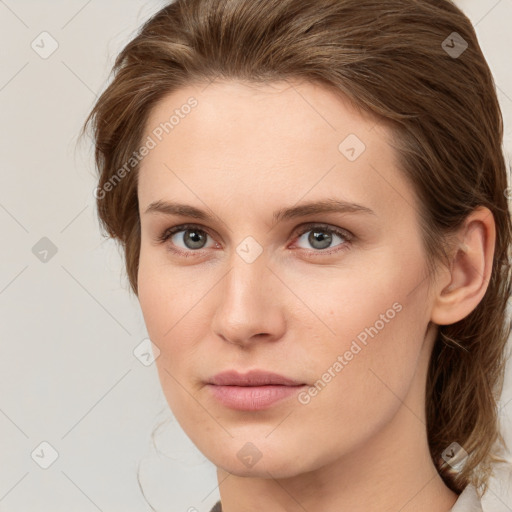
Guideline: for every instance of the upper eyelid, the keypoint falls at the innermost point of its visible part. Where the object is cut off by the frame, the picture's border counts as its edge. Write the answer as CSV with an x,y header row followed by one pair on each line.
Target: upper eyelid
x,y
328,227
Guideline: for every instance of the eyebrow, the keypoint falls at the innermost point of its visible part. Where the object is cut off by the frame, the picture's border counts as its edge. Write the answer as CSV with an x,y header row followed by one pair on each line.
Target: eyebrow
x,y
329,205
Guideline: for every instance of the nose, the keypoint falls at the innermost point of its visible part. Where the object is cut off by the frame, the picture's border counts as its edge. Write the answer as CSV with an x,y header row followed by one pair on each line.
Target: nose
x,y
251,305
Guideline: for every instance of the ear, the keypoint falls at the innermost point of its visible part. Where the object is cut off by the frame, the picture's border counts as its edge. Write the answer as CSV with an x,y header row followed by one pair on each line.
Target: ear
x,y
461,288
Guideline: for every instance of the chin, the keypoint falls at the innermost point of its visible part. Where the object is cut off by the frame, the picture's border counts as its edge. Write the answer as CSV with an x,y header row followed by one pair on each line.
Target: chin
x,y
273,468
261,458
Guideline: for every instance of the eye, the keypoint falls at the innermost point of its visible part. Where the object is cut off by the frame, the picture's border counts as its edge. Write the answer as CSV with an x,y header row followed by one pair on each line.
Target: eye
x,y
190,236
187,239
321,237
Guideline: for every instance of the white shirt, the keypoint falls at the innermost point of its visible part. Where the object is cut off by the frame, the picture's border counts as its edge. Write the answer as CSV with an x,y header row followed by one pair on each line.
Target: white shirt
x,y
468,501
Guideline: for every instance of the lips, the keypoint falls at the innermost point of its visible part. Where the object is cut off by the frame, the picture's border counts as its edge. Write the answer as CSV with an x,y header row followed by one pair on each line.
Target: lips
x,y
252,391
252,378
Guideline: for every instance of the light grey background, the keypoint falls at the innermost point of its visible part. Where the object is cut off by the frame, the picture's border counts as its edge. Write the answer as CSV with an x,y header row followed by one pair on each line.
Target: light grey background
x,y
68,329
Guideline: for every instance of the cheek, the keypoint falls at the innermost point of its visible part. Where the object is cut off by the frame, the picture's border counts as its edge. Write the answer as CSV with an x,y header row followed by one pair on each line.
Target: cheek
x,y
152,300
373,319
164,295
163,304
170,301
360,299
362,375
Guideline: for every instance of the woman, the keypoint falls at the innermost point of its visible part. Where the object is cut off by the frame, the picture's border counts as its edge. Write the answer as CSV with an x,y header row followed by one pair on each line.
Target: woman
x,y
311,197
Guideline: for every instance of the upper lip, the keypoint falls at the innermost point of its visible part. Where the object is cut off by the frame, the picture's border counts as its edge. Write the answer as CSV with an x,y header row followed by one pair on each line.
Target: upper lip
x,y
252,378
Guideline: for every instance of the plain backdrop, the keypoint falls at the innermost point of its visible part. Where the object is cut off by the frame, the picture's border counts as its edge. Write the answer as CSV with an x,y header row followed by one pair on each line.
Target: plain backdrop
x,y
73,396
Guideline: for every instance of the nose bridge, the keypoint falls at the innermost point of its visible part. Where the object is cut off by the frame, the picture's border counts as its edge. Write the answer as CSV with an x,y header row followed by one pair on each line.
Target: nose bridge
x,y
247,283
248,302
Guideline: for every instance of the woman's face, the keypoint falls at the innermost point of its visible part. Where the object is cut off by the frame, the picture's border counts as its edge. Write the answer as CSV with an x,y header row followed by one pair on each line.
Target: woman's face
x,y
276,270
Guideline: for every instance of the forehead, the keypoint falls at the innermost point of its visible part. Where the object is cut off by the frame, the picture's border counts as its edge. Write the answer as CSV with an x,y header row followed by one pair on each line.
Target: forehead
x,y
283,140
257,113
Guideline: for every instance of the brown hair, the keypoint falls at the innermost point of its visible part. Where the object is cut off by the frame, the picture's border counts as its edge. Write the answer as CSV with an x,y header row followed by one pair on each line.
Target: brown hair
x,y
393,60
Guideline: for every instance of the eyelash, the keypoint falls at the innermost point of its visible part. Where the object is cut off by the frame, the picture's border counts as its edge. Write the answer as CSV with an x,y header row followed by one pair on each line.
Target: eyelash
x,y
342,233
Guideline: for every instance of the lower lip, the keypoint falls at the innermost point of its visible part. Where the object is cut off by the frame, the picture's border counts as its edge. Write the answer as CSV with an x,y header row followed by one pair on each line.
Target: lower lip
x,y
252,398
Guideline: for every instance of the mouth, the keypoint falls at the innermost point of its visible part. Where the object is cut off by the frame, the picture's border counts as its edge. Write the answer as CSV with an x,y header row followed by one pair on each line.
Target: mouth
x,y
252,391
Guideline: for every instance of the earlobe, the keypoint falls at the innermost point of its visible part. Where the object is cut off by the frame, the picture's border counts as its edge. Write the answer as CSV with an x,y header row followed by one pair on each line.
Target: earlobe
x,y
470,271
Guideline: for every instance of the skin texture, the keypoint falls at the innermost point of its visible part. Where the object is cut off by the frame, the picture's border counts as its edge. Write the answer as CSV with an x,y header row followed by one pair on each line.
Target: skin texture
x,y
242,153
